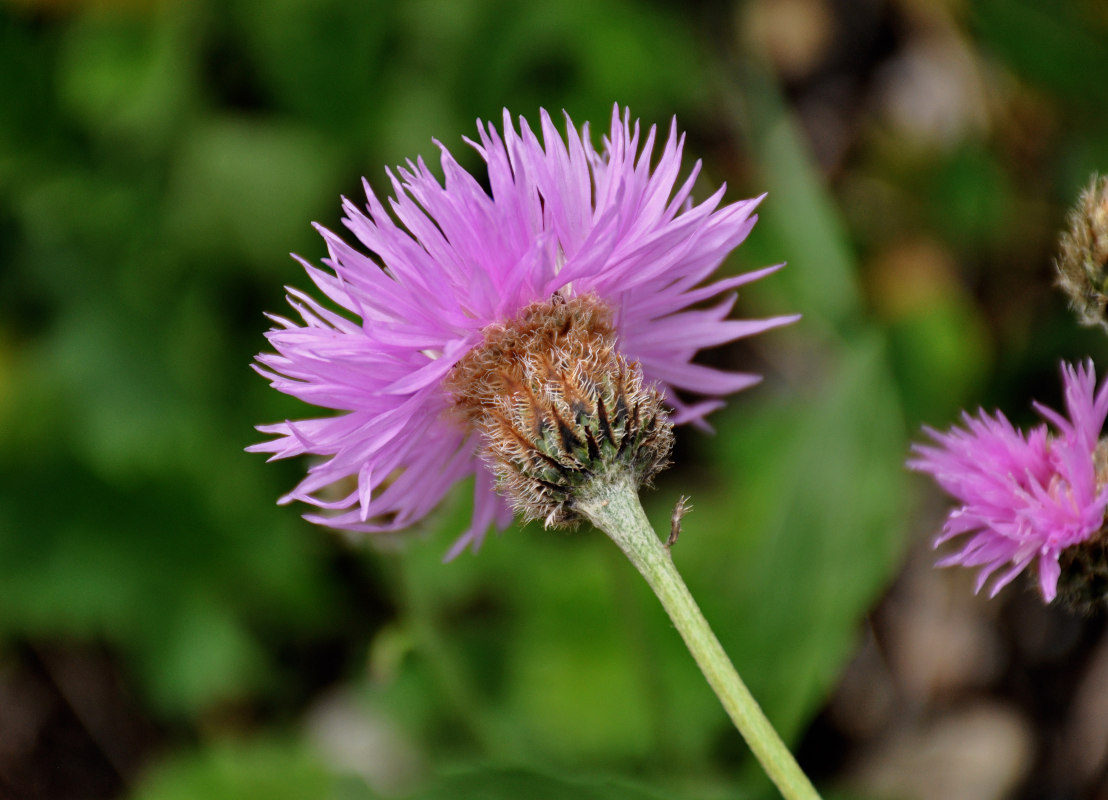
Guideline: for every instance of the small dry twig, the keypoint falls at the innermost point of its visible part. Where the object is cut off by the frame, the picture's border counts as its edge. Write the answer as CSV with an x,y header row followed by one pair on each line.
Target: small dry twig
x,y
680,510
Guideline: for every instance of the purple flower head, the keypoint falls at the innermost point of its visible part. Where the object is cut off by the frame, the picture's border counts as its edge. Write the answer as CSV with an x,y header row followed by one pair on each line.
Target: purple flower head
x,y
1024,496
446,260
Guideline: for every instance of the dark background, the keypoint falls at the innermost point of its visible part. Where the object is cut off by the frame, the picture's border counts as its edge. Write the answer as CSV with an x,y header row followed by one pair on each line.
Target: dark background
x,y
167,632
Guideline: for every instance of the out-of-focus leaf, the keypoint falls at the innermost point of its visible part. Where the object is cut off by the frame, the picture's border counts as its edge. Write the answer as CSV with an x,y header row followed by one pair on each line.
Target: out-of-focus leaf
x,y
516,784
786,559
1060,45
938,355
626,56
971,199
197,653
555,634
568,667
232,771
804,528
799,222
129,77
938,345
245,190
29,102
336,86
84,558
572,664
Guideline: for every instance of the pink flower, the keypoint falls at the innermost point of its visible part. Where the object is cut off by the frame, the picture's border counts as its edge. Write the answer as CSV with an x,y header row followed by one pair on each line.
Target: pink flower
x,y
1025,497
451,259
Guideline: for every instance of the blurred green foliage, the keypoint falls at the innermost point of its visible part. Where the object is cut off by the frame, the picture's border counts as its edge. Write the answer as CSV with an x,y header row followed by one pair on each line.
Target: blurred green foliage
x,y
260,769
157,162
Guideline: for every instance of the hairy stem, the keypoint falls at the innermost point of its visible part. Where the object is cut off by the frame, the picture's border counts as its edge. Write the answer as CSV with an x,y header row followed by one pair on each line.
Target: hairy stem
x,y
614,508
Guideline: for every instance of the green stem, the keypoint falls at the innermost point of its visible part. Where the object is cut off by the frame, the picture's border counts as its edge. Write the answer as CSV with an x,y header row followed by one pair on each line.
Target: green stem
x,y
614,508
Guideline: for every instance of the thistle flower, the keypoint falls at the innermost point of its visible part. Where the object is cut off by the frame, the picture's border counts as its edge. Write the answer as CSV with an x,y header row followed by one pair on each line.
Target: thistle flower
x,y
1035,498
453,270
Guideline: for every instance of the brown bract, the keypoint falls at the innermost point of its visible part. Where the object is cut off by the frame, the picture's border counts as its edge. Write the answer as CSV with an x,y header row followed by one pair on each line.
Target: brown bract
x,y
559,407
1082,263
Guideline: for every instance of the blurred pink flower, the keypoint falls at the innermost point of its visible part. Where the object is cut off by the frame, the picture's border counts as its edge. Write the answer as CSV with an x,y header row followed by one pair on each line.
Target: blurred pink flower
x,y
1025,497
453,258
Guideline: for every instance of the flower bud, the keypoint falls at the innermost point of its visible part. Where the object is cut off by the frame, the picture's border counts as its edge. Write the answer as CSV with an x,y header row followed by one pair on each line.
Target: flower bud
x,y
560,409
1082,264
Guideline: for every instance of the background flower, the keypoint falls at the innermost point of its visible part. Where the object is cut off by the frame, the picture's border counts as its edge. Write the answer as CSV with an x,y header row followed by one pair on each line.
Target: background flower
x,y
1025,497
561,217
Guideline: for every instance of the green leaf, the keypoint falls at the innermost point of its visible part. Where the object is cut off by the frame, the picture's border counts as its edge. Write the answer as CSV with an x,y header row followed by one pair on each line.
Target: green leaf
x,y
247,771
799,220
520,784
321,61
129,76
245,189
800,523
800,543
1059,45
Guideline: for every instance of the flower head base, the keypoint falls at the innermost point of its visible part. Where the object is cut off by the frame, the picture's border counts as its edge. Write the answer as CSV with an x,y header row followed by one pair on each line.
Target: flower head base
x,y
560,408
1082,264
1037,497
450,262
1083,581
